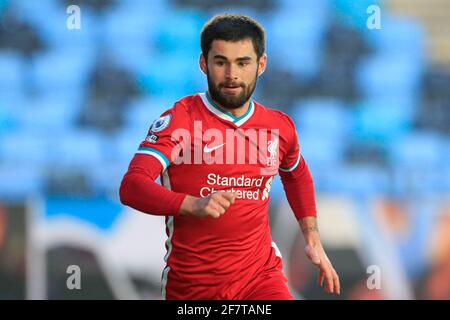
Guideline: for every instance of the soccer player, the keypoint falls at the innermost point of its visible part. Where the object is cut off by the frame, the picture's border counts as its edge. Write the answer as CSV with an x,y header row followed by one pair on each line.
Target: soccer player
x,y
217,154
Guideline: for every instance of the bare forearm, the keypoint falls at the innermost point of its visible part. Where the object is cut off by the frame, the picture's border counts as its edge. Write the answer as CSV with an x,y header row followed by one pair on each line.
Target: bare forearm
x,y
310,229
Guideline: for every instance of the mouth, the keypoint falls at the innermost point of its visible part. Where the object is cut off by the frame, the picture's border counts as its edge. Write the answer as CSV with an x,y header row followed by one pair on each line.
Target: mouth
x,y
231,88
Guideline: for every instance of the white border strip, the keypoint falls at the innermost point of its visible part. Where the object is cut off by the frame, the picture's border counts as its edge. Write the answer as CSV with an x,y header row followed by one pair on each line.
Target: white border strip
x,y
243,120
166,183
293,166
214,110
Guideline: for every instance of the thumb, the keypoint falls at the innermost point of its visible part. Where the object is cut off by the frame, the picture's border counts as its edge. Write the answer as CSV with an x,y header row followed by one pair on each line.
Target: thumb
x,y
312,254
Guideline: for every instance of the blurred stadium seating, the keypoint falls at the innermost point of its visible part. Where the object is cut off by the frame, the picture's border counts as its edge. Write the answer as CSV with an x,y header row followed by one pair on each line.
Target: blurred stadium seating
x,y
372,107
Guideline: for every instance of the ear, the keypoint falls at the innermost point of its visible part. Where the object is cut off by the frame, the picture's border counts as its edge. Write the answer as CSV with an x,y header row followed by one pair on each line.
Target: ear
x,y
202,64
262,64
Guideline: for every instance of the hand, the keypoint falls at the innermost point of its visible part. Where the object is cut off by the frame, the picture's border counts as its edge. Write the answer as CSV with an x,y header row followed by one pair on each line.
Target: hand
x,y
213,205
315,252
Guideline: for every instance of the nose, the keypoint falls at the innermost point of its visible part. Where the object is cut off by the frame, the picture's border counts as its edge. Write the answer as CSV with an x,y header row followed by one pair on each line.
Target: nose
x,y
231,72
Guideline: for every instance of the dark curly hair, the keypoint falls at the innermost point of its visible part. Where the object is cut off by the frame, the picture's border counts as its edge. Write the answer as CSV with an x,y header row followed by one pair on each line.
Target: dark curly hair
x,y
232,27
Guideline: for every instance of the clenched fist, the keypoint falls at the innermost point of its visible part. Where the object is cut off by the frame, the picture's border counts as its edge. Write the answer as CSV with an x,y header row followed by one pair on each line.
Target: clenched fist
x,y
213,205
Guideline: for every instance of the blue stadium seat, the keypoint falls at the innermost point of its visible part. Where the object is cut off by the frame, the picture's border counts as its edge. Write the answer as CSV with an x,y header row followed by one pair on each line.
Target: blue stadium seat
x,y
106,177
384,74
384,119
321,150
142,31
6,119
424,150
446,177
143,111
119,28
323,126
49,18
446,153
126,144
24,147
12,72
3,6
420,181
34,12
419,163
182,35
79,149
11,104
399,36
165,75
130,55
19,183
304,34
58,35
353,13
322,116
354,180
317,9
153,8
55,113
65,69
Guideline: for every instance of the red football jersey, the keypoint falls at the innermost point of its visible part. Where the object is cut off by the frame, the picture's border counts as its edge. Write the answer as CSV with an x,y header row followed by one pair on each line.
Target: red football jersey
x,y
204,149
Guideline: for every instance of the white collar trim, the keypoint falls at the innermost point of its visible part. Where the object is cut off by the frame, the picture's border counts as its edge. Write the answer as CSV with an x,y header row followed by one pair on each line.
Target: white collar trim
x,y
238,121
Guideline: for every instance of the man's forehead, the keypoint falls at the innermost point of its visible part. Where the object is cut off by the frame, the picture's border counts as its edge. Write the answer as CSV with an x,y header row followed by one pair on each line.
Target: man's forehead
x,y
233,49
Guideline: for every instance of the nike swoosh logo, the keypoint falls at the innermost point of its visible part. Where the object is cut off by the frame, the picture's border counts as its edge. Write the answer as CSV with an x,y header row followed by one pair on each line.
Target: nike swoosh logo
x,y
207,149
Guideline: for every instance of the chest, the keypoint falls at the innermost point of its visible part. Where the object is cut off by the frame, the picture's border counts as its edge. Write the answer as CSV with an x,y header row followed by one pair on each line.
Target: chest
x,y
254,149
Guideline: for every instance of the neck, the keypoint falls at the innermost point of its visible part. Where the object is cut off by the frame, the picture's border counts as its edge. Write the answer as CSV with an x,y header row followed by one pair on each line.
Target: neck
x,y
237,112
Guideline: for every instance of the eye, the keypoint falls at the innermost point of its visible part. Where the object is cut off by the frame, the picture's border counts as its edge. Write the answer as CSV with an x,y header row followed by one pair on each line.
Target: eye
x,y
242,64
220,63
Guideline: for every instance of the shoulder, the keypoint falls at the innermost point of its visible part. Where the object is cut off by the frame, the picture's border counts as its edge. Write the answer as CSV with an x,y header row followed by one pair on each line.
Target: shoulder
x,y
178,116
183,105
277,116
183,108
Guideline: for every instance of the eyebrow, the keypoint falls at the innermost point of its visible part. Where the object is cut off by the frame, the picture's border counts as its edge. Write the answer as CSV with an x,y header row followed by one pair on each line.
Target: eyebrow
x,y
245,58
